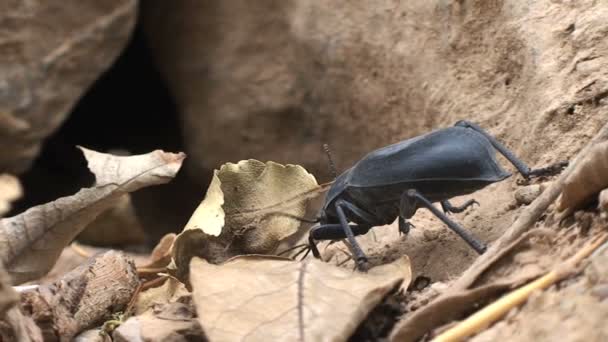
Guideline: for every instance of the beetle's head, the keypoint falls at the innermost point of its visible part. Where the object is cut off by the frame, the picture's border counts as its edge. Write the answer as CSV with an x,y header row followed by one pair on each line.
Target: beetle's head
x,y
328,213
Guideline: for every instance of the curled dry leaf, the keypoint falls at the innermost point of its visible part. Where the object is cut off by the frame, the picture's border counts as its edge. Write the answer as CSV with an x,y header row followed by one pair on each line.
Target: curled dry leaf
x,y
31,242
170,291
263,298
16,326
249,209
589,178
164,313
159,258
150,327
10,190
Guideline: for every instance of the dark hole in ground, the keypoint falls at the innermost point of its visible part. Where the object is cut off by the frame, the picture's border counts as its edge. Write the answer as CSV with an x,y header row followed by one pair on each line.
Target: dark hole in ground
x,y
128,108
379,323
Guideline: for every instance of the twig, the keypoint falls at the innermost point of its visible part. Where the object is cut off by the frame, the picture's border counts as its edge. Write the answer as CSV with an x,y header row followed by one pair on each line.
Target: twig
x,y
154,283
491,313
77,248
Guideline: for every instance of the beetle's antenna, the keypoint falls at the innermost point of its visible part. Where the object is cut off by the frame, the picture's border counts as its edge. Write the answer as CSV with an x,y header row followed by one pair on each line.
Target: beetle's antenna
x,y
332,166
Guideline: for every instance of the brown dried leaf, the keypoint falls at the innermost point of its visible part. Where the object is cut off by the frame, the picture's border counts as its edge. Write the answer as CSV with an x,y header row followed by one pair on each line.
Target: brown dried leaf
x,y
148,327
164,313
240,213
589,178
18,327
170,291
263,298
10,190
32,241
160,257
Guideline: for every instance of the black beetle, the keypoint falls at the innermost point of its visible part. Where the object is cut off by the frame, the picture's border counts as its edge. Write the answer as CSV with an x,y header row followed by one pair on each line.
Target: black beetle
x,y
394,181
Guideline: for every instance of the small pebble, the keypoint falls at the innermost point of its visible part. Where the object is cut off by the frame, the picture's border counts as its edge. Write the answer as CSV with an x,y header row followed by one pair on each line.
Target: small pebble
x,y
527,194
603,200
430,234
600,291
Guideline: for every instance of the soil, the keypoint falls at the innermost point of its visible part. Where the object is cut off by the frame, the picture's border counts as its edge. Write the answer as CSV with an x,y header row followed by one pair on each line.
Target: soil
x,y
439,256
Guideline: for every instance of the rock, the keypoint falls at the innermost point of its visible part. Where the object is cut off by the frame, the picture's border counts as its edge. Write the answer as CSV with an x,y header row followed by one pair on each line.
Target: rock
x,y
603,200
273,80
50,53
92,335
129,331
527,194
430,234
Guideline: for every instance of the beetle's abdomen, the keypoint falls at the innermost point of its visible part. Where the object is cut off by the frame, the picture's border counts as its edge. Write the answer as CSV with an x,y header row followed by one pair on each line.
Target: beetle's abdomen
x,y
452,154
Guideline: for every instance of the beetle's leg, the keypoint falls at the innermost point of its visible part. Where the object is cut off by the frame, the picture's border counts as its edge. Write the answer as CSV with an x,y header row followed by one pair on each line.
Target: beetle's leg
x,y
404,226
450,208
524,169
415,198
358,254
332,231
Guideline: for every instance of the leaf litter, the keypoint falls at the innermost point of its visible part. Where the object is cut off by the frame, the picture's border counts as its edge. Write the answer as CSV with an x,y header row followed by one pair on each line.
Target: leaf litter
x,y
249,208
252,207
264,298
32,241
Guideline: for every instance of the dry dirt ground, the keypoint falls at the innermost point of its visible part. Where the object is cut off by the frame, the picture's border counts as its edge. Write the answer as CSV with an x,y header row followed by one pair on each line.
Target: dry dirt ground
x,y
574,310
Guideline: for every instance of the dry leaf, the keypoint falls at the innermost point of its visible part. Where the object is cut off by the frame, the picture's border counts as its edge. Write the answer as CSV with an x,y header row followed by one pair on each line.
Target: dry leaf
x,y
164,313
10,190
148,327
32,241
160,256
170,291
263,298
117,226
8,296
68,260
241,213
18,327
589,178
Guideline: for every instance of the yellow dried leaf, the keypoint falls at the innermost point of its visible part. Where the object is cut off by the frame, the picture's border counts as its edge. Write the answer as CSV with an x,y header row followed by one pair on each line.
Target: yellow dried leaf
x,y
263,298
246,211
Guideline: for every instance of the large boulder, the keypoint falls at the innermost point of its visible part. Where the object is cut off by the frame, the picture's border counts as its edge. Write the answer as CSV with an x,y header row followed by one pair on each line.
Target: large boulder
x,y
273,80
50,53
